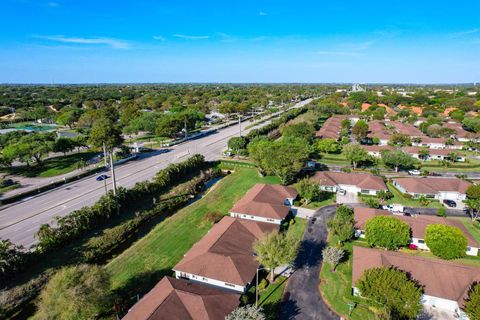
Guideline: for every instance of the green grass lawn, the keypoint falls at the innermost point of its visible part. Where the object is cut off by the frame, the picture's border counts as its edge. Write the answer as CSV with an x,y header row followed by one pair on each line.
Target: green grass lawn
x,y
330,198
399,198
51,167
336,288
472,226
138,268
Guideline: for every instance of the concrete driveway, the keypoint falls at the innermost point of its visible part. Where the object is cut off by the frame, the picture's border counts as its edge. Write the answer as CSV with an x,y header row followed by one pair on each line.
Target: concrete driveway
x,y
349,197
302,298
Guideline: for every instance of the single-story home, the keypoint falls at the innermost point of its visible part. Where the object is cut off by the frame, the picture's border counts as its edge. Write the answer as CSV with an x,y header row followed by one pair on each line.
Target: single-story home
x,y
418,225
265,203
433,188
331,128
178,299
224,256
433,154
406,129
376,150
363,183
461,134
445,284
436,143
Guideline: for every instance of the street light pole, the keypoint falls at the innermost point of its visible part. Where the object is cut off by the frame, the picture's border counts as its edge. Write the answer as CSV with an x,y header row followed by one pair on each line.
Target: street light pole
x,y
114,181
240,125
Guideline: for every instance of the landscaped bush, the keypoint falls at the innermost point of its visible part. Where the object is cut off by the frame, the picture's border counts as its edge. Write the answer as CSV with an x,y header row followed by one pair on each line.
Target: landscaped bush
x,y
213,217
12,259
446,242
387,232
342,224
472,303
393,289
263,284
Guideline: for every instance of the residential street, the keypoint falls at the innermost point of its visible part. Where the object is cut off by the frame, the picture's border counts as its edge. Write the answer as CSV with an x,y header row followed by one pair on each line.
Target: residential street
x,y
302,298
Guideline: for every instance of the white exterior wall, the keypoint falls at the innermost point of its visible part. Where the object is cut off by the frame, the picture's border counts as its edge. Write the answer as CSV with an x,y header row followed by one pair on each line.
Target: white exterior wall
x,y
430,301
213,282
421,246
451,195
329,188
255,218
383,142
349,188
472,251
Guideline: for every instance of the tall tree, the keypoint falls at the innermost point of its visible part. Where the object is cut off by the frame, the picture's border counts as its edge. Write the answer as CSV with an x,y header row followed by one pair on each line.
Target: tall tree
x,y
355,154
398,159
360,130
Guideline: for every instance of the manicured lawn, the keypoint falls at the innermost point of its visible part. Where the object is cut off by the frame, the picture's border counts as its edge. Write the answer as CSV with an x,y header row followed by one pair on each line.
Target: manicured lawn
x,y
152,257
336,288
399,198
51,167
472,226
329,198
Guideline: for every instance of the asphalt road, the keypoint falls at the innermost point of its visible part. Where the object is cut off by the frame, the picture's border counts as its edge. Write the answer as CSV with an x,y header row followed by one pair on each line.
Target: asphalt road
x,y
20,222
302,299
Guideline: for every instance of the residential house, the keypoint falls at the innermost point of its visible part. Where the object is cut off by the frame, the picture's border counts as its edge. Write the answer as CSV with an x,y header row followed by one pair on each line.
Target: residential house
x,y
433,188
363,183
405,128
377,129
436,143
331,128
418,225
376,150
265,203
433,154
445,284
178,299
224,256
461,134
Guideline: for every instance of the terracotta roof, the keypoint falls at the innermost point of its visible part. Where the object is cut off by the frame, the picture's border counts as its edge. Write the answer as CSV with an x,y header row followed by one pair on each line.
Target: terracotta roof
x,y
426,139
418,224
387,108
376,148
266,200
361,180
365,106
459,131
432,185
225,252
175,299
447,111
439,278
331,128
434,152
405,128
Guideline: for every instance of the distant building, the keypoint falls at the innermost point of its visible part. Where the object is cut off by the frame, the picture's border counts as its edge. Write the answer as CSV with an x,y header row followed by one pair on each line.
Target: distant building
x,y
433,188
363,183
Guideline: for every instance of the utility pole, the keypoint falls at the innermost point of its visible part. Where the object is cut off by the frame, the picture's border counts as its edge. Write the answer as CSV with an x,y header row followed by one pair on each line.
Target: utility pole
x,y
185,128
105,161
240,125
113,174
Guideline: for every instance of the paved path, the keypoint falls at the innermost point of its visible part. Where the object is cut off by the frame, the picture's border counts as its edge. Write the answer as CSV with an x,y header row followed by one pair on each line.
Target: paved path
x,y
302,300
20,222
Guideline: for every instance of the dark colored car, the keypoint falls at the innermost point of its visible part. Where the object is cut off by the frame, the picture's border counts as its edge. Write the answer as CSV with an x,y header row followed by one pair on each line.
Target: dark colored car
x,y
101,177
450,203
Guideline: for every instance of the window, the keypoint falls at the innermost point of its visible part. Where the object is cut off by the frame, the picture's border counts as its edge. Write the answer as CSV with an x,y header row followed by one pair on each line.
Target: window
x,y
469,249
205,279
270,220
229,285
364,191
421,241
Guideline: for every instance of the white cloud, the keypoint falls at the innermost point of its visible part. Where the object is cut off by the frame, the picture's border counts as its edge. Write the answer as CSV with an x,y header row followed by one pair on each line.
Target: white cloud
x,y
262,13
159,38
464,33
111,42
190,37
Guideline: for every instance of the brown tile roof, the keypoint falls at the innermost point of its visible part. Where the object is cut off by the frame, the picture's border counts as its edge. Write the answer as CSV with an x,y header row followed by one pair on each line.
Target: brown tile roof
x,y
447,111
405,128
376,148
432,185
459,131
225,252
331,128
387,108
175,299
266,200
365,106
361,180
418,224
439,278
434,152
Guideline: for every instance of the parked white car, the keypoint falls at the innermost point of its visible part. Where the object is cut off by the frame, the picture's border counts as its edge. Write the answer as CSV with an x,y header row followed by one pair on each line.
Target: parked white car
x,y
394,208
414,172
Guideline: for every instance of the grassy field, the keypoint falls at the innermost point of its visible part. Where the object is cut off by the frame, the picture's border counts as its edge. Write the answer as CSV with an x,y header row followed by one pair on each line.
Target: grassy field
x,y
51,167
329,199
152,257
399,198
472,226
336,288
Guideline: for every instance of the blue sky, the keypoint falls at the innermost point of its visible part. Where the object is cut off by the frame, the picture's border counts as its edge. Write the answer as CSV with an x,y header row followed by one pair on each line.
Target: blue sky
x,y
87,41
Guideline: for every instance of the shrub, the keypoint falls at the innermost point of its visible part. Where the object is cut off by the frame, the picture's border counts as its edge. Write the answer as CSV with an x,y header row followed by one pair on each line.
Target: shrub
x,y
263,284
442,212
372,202
213,217
472,303
393,289
387,232
333,256
446,242
342,224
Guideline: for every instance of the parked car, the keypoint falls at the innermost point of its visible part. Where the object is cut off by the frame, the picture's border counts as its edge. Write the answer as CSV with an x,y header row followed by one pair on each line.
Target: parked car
x,y
101,177
414,172
450,203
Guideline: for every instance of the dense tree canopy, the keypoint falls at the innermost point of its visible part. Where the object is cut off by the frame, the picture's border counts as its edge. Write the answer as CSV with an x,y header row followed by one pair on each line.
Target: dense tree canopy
x,y
387,232
446,242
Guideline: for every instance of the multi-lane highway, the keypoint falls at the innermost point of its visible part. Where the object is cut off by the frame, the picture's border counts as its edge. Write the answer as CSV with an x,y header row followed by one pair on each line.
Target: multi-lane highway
x,y
20,222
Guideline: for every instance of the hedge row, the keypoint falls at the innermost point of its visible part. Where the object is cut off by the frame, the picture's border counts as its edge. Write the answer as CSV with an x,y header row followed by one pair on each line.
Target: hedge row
x,y
79,222
100,247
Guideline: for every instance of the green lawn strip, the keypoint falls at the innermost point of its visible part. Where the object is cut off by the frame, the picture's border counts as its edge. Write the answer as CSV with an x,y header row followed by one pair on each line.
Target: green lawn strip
x,y
318,204
152,257
9,188
472,226
51,167
399,198
336,288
